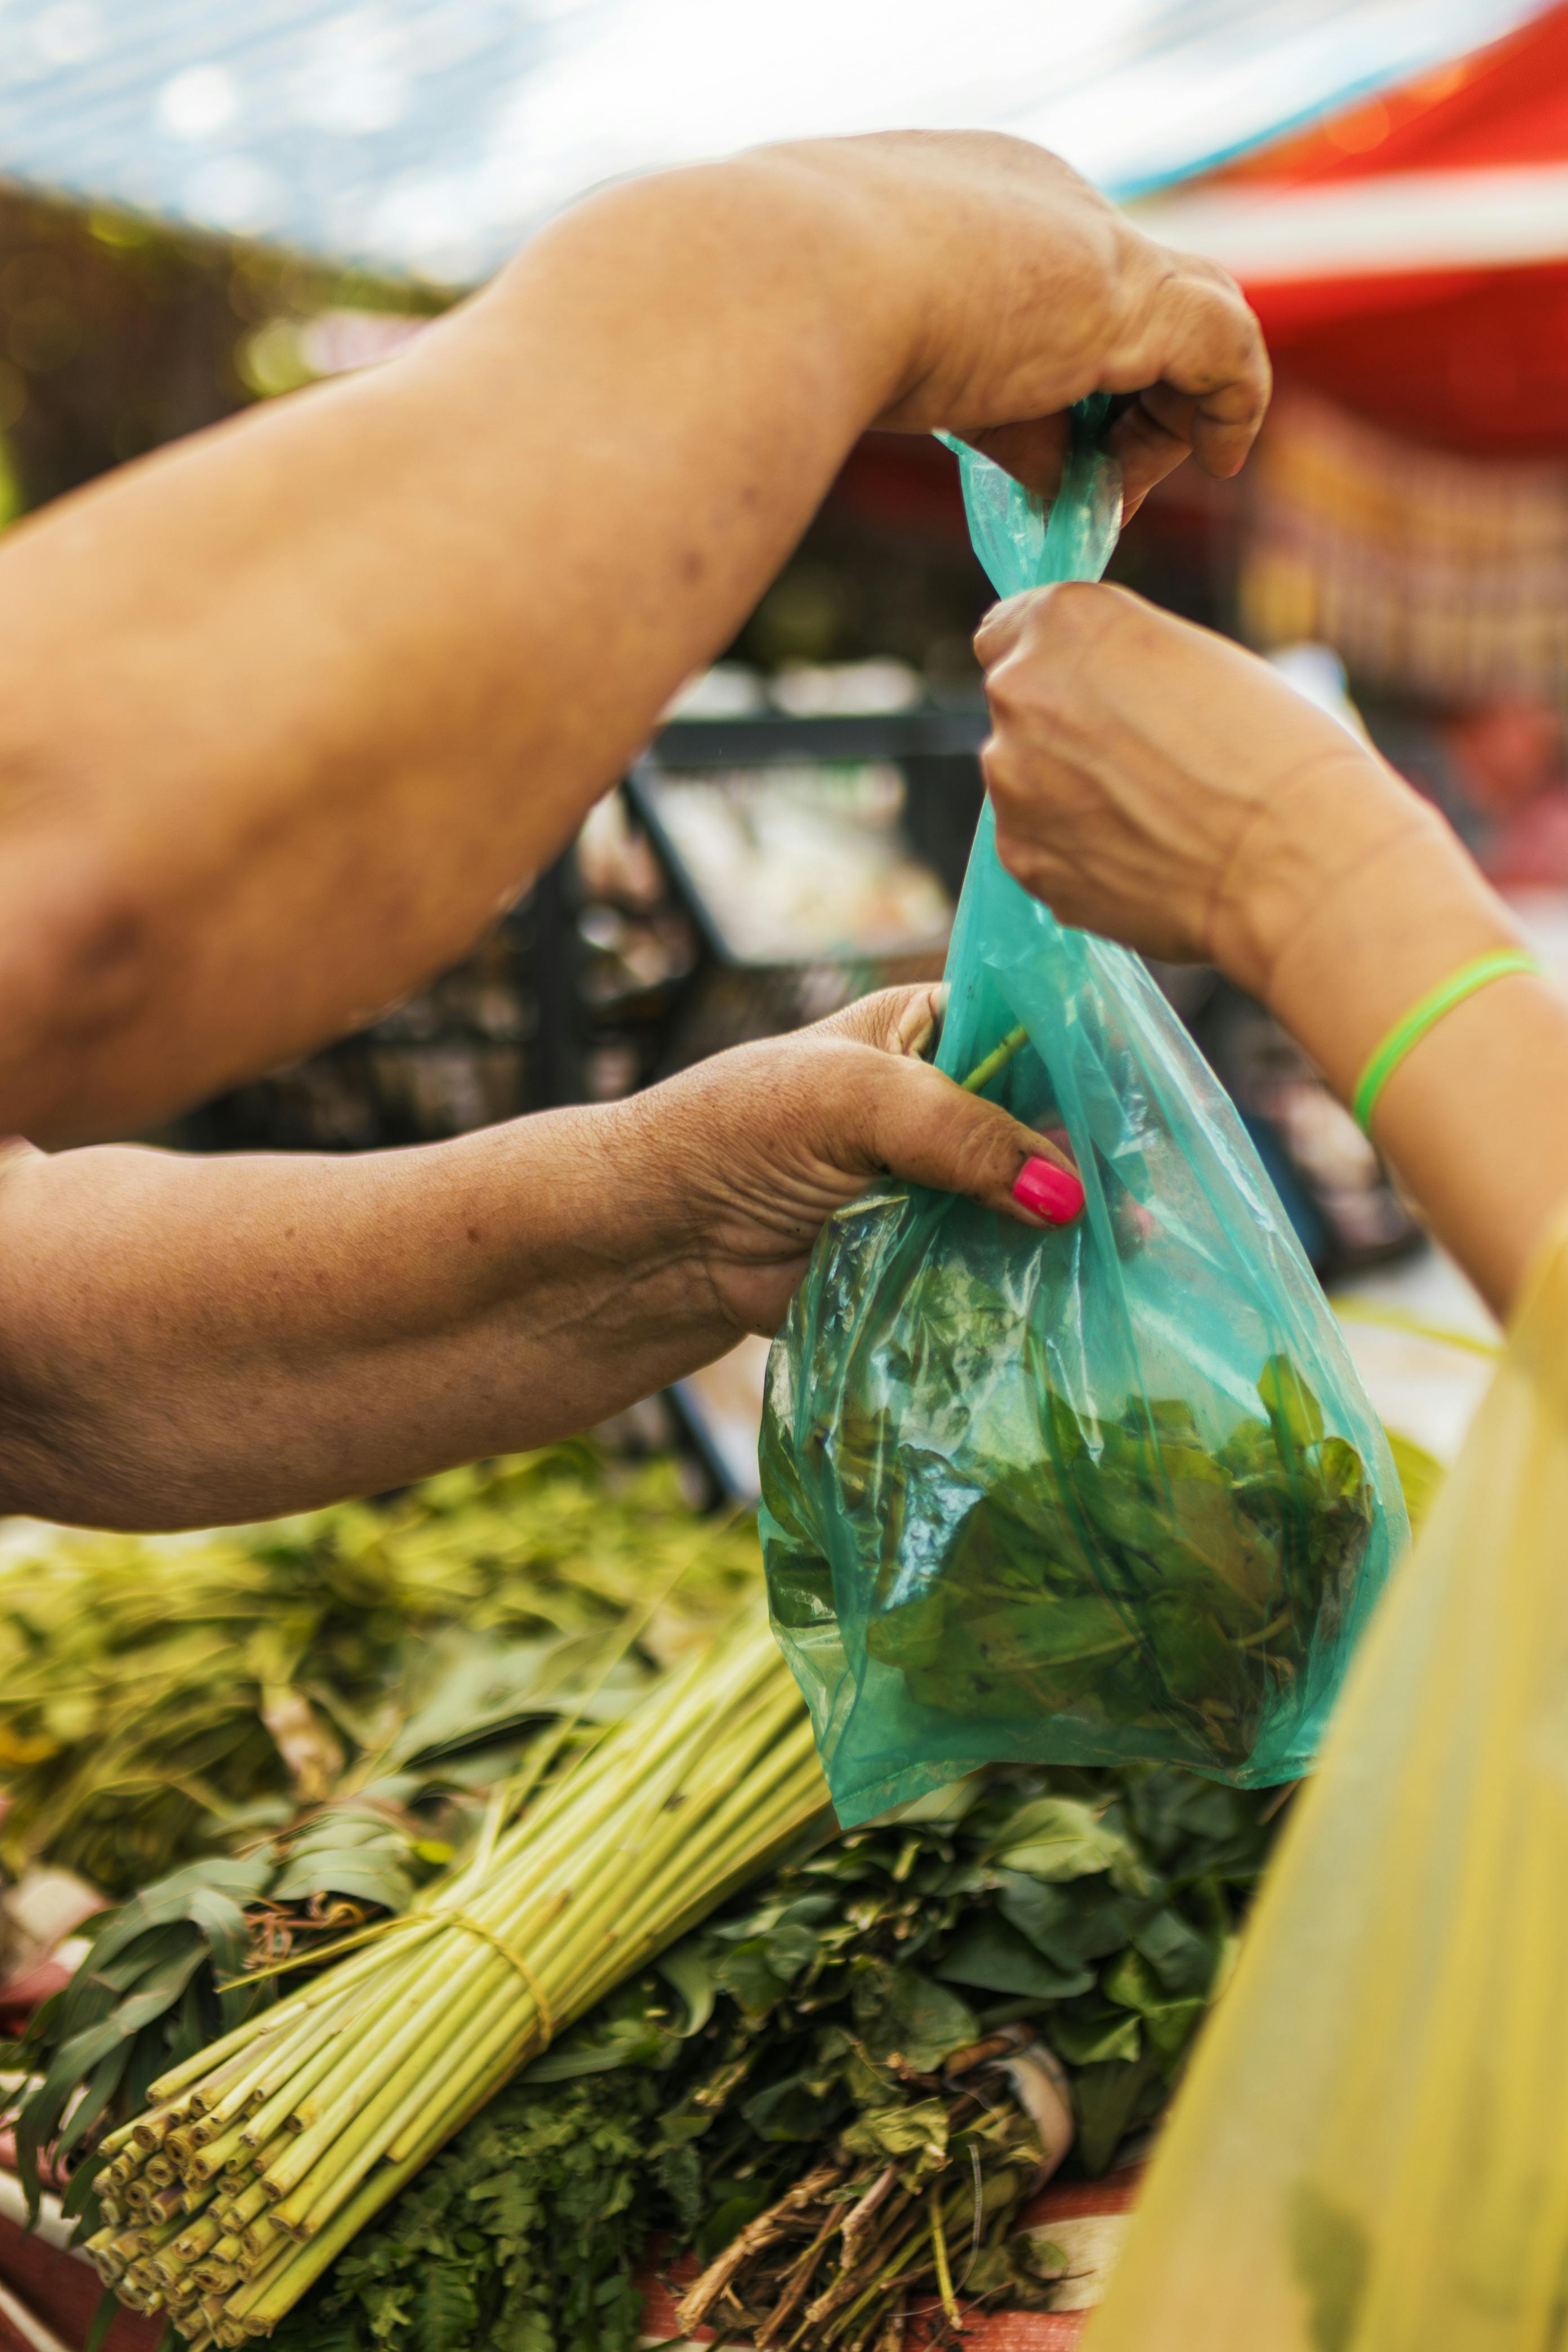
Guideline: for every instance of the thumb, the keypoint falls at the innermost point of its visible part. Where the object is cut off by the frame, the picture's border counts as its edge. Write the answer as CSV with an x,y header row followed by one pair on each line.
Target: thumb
x,y
924,1128
1004,625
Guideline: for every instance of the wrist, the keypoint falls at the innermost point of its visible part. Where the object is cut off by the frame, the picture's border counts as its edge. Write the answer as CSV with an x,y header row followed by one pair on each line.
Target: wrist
x,y
657,1211
1295,855
806,242
1394,906
868,234
942,242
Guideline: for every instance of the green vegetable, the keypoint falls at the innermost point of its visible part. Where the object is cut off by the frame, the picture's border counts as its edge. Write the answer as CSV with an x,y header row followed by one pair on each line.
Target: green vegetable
x,y
797,2046
160,1697
523,2234
1099,1906
1124,1584
297,2126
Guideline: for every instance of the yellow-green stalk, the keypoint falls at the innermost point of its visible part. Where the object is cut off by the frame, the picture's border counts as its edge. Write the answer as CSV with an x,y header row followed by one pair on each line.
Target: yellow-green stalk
x,y
291,2133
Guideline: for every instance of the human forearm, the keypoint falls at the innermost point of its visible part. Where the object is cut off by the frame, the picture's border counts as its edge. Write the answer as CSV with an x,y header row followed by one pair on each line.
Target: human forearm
x,y
287,711
1154,783
1475,1117
189,1340
184,1342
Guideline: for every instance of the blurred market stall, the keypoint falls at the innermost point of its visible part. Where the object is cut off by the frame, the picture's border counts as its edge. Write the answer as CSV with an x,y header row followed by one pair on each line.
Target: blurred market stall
x,y
1410,261
415,136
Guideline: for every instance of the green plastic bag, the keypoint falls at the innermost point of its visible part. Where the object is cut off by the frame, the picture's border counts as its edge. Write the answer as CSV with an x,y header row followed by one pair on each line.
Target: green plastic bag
x,y
1082,1496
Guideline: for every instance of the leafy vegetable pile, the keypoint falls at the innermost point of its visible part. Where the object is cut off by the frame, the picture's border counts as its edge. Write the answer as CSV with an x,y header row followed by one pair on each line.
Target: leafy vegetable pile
x,y
162,1697
1144,1591
265,2154
800,2046
811,2048
322,1711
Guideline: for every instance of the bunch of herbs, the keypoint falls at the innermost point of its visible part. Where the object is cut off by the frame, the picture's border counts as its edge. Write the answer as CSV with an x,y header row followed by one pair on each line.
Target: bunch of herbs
x,y
1113,1585
801,2046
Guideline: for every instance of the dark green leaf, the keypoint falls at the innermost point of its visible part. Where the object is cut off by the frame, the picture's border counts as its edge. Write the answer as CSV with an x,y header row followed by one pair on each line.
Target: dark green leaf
x,y
1106,2100
726,2221
744,1974
1181,1958
994,1956
1070,1927
791,2110
907,2015
789,1950
1091,2032
103,2319
686,1967
365,1875
1058,1838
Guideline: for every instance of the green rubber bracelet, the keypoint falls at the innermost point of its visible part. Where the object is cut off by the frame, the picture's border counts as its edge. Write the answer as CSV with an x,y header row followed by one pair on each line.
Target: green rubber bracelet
x,y
1423,1015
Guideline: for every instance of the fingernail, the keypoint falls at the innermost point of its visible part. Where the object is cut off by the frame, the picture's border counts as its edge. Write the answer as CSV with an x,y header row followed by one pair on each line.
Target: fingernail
x,y
1049,1191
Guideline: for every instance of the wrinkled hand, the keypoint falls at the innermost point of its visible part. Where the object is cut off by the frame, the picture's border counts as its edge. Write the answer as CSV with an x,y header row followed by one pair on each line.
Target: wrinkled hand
x,y
1032,290
757,1147
1154,783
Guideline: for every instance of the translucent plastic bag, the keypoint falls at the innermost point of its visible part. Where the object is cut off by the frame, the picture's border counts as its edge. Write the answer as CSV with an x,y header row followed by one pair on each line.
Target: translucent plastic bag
x,y
1108,1493
1371,2153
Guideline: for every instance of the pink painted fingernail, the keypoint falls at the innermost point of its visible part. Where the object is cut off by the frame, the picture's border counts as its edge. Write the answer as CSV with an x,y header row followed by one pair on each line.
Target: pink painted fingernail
x,y
1049,1191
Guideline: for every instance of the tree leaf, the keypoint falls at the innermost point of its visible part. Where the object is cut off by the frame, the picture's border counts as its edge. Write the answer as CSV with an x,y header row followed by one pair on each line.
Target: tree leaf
x,y
1181,1958
357,1872
1108,2100
790,1948
915,2127
1097,2037
744,1974
794,2109
241,1879
1085,1920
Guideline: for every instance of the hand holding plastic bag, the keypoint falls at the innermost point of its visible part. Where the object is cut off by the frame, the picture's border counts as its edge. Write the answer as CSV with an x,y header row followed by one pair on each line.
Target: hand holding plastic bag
x,y
1107,1492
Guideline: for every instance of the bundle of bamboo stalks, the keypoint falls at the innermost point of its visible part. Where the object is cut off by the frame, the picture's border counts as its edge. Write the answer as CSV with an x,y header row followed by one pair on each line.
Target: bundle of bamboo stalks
x,y
267,2151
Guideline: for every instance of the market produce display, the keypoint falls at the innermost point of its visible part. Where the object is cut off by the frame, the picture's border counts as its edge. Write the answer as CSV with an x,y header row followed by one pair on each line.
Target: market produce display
x,y
808,2050
839,2089
320,1709
285,2136
160,1697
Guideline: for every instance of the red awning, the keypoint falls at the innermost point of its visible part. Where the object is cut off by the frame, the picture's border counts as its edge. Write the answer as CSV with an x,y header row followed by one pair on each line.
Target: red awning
x,y
1410,258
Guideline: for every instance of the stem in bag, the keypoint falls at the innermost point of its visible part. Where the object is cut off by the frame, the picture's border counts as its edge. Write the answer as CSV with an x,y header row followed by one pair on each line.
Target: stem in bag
x,y
981,1075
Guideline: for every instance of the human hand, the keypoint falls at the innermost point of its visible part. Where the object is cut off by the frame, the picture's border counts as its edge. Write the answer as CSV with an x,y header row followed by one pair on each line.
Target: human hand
x,y
756,1148
1154,783
1028,289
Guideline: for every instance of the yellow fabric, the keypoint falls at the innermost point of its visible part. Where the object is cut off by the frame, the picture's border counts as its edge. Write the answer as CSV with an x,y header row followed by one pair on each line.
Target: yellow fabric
x,y
1371,2153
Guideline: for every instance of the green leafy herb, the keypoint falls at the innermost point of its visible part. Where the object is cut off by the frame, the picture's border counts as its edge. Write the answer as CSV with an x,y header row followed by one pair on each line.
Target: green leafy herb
x,y
1123,1582
799,2050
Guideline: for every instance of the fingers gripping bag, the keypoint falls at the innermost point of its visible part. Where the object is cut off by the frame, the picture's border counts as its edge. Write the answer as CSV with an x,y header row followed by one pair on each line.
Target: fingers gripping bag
x,y
1106,1493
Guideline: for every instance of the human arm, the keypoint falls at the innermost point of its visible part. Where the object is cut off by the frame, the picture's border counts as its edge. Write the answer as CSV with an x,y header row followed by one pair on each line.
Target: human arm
x,y
1154,783
287,710
188,1341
